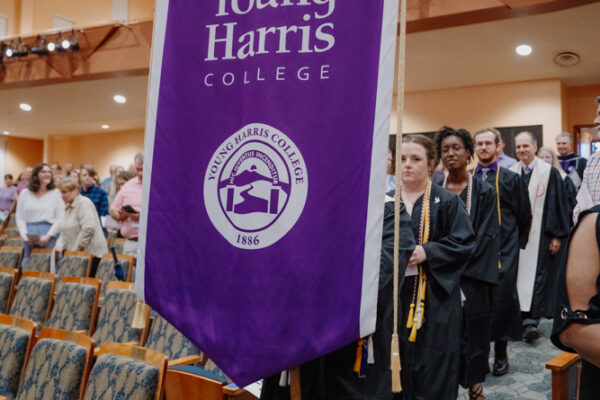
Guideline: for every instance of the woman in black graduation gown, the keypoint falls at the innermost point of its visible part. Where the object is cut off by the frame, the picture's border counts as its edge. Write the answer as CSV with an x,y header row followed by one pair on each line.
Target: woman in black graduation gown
x,y
577,320
332,377
455,148
431,317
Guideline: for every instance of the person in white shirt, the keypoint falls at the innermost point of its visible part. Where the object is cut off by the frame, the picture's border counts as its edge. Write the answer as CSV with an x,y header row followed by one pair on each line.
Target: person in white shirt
x,y
39,211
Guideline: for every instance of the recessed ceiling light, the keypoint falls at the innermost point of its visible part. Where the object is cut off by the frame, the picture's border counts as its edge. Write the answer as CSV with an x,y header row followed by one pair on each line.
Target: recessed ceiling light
x,y
104,126
524,50
25,107
120,98
6,133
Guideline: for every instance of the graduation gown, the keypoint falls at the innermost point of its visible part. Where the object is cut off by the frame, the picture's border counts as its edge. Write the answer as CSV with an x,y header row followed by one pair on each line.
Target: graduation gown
x,y
515,212
430,365
332,376
590,374
555,223
478,280
337,380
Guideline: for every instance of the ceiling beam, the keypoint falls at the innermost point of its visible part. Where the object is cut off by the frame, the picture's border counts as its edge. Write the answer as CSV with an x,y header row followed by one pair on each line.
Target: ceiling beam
x,y
492,14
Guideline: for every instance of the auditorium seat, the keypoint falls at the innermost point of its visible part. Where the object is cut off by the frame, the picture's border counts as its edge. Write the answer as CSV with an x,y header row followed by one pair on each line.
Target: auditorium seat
x,y
190,382
75,304
74,263
565,369
57,366
13,240
8,278
11,256
165,338
116,316
16,340
126,372
39,260
33,298
118,243
106,271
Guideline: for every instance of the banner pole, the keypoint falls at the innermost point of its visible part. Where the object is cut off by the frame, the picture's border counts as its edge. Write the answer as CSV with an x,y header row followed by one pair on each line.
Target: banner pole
x,y
395,356
295,388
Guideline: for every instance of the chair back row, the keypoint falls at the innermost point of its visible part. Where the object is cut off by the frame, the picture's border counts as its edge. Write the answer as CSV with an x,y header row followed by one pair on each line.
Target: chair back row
x,y
59,365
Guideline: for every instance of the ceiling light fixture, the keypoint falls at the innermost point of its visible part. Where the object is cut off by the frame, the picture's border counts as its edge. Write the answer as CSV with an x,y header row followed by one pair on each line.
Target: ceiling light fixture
x,y
524,50
119,98
41,47
104,126
25,107
6,133
16,49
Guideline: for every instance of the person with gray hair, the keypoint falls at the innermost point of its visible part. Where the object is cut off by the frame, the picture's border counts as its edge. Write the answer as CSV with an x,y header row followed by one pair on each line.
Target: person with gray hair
x,y
550,225
127,206
572,164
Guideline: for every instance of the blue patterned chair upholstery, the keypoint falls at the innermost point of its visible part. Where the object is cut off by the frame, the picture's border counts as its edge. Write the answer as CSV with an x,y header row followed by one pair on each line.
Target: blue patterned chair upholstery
x,y
13,350
166,339
73,307
38,262
54,371
10,258
11,232
6,281
32,298
119,377
14,241
106,272
72,266
116,316
12,221
216,371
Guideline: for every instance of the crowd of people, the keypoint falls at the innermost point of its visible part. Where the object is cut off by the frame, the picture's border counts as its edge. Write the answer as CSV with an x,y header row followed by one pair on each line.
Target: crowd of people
x,y
487,249
74,211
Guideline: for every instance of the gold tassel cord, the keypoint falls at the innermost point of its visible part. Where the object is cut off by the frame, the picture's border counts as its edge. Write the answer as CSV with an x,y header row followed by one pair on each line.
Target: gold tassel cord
x,y
395,365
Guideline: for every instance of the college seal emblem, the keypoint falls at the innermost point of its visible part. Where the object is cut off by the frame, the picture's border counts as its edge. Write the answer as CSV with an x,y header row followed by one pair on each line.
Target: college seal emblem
x,y
255,186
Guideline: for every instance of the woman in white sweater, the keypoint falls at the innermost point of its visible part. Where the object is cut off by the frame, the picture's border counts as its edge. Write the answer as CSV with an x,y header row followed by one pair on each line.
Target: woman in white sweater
x,y
39,211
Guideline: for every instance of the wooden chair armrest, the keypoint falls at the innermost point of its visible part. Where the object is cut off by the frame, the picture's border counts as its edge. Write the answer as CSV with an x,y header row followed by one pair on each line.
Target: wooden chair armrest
x,y
562,361
187,360
2,397
232,390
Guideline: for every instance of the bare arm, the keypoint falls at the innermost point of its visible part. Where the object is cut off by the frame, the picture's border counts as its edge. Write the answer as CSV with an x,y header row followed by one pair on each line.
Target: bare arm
x,y
583,267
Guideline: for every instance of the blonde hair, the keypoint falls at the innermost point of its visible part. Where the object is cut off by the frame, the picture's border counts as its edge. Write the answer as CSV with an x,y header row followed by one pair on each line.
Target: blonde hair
x,y
69,184
550,151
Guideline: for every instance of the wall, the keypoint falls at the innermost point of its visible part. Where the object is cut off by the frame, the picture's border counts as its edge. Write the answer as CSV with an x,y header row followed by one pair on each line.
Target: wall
x,y
501,105
141,9
21,153
581,105
11,9
100,150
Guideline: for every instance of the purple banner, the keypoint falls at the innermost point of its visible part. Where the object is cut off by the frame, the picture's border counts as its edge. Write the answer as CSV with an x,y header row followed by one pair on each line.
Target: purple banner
x,y
264,178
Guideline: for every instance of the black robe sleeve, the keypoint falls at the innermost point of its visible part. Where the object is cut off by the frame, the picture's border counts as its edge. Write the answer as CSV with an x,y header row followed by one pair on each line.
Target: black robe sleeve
x,y
447,255
483,264
571,200
556,214
523,213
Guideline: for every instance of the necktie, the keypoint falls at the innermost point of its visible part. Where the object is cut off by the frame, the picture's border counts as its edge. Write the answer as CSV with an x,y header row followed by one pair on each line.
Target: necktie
x,y
484,172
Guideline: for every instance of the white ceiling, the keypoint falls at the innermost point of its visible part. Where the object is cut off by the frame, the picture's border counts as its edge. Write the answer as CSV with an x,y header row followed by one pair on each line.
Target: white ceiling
x,y
485,53
462,56
74,108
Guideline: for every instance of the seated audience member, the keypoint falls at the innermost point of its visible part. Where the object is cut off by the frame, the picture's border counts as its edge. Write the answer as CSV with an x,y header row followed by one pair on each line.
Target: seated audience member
x,y
127,206
106,182
56,169
68,169
80,228
24,179
39,211
90,190
7,194
120,179
75,175
577,319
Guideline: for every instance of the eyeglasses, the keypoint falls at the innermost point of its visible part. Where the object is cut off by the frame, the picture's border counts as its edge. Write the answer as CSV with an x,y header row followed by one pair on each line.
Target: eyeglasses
x,y
456,148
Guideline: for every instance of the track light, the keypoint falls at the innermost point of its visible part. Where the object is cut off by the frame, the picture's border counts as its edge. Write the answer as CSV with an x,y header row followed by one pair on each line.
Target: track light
x,y
16,50
40,47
